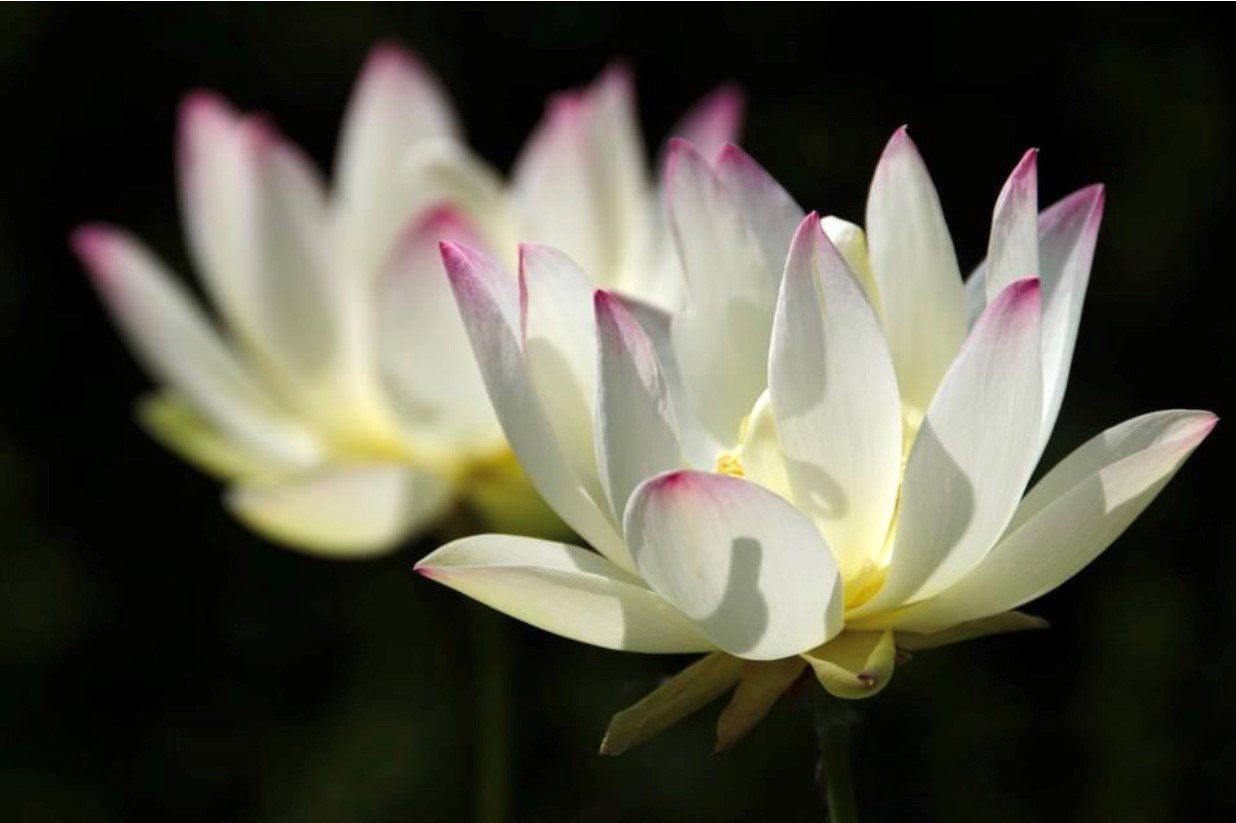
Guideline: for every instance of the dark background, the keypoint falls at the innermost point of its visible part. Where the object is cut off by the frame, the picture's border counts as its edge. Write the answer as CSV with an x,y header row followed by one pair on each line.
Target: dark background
x,y
159,662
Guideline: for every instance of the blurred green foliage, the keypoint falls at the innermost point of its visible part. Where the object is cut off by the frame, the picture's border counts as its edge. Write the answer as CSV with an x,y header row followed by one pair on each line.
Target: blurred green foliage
x,y
160,663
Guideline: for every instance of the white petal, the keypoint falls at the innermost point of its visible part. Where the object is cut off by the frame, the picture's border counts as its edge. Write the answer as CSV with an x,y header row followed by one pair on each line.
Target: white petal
x,y
921,298
637,435
395,104
697,444
973,454
444,170
1068,232
351,511
976,294
565,590
999,623
172,421
1013,248
769,210
713,121
721,339
761,455
621,166
424,352
1070,517
834,395
851,241
744,565
256,217
489,303
1172,427
180,347
560,344
579,184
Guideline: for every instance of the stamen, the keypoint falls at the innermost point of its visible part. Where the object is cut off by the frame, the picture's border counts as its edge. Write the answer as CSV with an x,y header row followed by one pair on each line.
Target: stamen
x,y
729,464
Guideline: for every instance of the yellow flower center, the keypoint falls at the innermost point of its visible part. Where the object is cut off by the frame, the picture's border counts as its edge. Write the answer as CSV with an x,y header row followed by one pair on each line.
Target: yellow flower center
x,y
729,464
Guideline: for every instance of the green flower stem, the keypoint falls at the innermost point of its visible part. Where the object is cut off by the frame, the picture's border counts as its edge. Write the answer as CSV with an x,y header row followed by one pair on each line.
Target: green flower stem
x,y
833,724
492,664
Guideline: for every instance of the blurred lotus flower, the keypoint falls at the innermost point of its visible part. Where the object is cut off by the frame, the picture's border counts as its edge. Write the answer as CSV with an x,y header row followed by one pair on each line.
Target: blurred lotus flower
x,y
818,461
337,394
581,184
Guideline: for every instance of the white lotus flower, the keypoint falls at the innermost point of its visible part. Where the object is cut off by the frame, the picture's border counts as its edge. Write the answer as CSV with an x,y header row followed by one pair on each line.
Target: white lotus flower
x,y
817,461
338,395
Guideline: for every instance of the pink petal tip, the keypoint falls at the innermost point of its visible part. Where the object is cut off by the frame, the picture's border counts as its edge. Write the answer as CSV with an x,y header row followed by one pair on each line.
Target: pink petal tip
x,y
440,222
390,55
94,243
1027,165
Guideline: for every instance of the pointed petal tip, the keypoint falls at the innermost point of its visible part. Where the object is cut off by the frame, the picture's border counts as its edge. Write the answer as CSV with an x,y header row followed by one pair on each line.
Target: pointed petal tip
x,y
670,480
728,94
1099,194
531,255
727,102
563,110
1202,425
617,72
260,129
618,737
806,228
730,153
456,259
202,112
1025,289
680,155
441,217
1020,304
466,268
94,244
390,56
808,233
89,239
1035,623
899,143
613,318
439,223
204,102
1091,198
427,570
714,119
678,147
605,302
1027,166
529,252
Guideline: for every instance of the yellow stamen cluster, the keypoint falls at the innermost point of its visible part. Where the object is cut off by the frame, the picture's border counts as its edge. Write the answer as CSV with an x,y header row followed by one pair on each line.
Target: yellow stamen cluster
x,y
729,464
